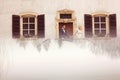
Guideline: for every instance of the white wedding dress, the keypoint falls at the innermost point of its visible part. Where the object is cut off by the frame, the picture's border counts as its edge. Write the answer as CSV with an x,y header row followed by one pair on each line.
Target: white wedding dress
x,y
78,34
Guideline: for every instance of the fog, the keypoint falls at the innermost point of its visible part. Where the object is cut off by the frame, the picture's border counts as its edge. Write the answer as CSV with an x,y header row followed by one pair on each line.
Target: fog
x,y
84,59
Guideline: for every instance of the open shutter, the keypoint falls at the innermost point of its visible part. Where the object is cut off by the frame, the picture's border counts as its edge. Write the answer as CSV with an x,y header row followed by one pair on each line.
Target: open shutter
x,y
112,25
88,25
15,26
41,26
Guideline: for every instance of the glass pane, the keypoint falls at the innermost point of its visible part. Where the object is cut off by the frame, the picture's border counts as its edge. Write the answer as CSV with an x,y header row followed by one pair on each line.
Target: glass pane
x,y
96,19
25,26
103,19
25,33
96,25
25,20
32,32
32,26
97,32
32,19
103,25
103,33
63,16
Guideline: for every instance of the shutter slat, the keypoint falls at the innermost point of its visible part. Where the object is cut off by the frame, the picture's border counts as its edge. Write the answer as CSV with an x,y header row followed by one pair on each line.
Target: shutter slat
x,y
112,25
15,26
88,25
41,26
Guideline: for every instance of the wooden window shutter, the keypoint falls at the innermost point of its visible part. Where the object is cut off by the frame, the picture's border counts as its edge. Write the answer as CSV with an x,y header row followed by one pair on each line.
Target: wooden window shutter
x,y
88,25
112,25
15,26
41,26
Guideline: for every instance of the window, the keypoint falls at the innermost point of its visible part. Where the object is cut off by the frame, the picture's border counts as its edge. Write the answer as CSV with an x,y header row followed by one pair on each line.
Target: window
x,y
100,25
65,16
28,26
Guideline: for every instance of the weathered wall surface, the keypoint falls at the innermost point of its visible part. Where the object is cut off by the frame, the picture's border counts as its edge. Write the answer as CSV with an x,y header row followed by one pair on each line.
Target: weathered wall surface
x,y
49,8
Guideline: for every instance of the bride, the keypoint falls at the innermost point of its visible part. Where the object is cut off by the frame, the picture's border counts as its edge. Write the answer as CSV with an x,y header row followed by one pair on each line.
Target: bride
x,y
78,33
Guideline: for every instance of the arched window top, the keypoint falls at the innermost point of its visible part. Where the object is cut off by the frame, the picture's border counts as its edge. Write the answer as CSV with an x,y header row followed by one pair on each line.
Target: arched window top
x,y
100,13
28,14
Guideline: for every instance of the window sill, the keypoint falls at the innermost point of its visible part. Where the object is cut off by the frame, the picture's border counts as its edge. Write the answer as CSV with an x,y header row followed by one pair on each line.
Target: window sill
x,y
101,38
29,38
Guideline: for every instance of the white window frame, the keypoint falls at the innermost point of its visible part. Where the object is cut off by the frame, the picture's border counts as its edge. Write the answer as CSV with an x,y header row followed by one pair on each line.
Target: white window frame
x,y
21,24
107,24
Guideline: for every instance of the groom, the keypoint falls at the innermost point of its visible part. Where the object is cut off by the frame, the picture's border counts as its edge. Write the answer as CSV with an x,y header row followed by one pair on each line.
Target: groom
x,y
63,32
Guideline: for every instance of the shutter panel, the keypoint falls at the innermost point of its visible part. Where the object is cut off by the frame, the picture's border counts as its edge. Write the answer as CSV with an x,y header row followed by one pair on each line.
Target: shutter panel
x,y
15,26
112,25
88,25
41,26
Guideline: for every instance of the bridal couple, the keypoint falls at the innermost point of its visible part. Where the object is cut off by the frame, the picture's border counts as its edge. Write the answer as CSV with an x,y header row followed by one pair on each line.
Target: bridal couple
x,y
64,34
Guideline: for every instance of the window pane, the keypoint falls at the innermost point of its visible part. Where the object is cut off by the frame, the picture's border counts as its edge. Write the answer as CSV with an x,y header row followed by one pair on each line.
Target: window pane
x,y
96,25
25,20
32,26
25,26
32,32
103,25
32,19
96,32
63,16
103,33
25,33
103,19
96,19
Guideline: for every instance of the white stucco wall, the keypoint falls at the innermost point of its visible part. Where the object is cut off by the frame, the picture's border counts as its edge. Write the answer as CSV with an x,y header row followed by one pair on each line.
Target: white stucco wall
x,y
49,8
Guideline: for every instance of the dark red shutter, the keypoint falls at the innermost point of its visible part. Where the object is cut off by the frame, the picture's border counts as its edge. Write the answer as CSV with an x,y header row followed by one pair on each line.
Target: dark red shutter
x,y
41,26
88,25
112,25
15,26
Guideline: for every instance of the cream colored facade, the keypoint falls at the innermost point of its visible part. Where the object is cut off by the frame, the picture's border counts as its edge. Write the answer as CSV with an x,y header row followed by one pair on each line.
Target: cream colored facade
x,y
51,9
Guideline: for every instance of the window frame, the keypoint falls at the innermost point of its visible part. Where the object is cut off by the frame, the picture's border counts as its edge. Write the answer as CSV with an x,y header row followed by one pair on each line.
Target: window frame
x,y
106,22
21,25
